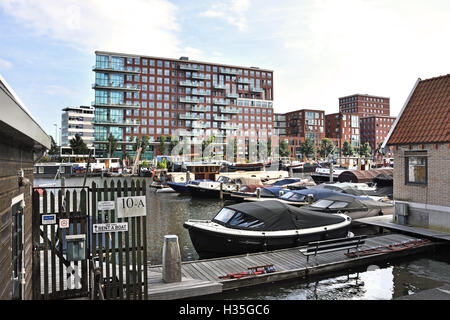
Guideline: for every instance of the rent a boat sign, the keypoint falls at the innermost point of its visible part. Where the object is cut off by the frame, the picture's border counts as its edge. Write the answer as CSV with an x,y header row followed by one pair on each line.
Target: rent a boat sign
x,y
126,207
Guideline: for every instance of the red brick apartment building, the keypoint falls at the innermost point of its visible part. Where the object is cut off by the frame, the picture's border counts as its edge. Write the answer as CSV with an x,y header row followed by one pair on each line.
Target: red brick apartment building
x,y
343,127
374,129
137,95
306,123
365,105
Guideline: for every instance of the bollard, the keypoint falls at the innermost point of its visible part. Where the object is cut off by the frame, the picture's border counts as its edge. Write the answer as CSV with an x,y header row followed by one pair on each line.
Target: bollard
x,y
221,191
171,260
291,173
258,193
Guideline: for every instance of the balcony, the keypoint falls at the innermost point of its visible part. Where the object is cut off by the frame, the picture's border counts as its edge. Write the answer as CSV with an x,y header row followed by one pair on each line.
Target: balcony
x,y
199,109
123,123
188,100
229,110
186,66
188,116
200,93
222,102
201,125
253,89
232,95
243,80
118,86
134,105
229,126
109,68
228,71
199,76
221,118
188,83
219,86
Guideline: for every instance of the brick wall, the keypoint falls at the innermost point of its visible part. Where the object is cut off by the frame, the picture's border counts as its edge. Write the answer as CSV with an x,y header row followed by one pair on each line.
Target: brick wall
x,y
435,193
14,156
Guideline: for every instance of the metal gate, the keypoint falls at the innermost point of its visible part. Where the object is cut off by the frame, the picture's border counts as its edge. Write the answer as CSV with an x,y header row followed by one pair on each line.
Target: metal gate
x,y
59,213
71,260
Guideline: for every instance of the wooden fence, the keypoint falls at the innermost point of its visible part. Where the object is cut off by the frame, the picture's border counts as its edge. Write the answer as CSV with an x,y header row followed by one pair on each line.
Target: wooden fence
x,y
119,259
121,256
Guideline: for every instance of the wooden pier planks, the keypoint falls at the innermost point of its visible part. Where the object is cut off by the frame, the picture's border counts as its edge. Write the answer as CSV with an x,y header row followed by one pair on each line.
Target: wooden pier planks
x,y
290,263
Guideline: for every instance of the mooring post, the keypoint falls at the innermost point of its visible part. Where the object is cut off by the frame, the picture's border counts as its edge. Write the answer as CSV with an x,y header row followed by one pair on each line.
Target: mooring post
x,y
258,193
291,173
171,260
221,191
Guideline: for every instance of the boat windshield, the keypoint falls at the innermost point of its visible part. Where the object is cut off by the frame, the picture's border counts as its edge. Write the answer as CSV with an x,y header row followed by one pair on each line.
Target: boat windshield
x,y
322,204
223,179
224,215
242,220
338,205
294,197
236,219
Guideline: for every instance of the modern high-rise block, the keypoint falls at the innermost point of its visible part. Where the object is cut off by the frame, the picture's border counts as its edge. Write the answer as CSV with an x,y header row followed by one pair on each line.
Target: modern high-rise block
x,y
77,120
138,95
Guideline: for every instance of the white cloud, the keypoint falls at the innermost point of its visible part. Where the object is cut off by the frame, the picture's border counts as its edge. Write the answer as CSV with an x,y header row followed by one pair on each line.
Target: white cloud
x,y
232,11
138,26
5,64
332,48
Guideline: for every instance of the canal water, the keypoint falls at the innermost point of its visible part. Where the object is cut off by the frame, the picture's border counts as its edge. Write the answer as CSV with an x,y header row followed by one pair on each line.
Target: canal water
x,y
168,211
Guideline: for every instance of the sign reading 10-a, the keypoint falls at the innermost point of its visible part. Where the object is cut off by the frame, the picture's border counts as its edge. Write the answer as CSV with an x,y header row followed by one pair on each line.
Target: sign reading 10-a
x,y
131,206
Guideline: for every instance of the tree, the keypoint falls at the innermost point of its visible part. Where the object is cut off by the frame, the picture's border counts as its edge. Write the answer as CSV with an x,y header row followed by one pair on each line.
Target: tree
x,y
141,143
284,149
307,147
379,152
162,144
269,147
347,149
173,143
207,142
78,146
326,148
54,149
112,145
365,150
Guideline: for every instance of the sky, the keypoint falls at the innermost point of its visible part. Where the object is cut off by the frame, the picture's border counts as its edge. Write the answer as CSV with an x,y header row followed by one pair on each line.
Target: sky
x,y
319,50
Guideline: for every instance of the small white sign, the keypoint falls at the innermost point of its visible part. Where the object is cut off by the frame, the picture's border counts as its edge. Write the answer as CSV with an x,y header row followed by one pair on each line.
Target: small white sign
x,y
106,205
131,206
63,223
48,218
110,227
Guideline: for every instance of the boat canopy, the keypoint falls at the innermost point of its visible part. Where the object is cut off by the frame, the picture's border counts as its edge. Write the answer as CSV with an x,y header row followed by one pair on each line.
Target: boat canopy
x,y
347,203
283,182
272,215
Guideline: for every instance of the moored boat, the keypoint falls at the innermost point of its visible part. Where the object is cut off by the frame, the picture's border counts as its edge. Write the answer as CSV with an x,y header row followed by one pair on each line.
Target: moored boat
x,y
253,227
353,206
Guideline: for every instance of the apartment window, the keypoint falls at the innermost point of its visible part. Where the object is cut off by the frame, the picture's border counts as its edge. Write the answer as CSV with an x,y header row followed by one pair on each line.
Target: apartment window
x,y
416,167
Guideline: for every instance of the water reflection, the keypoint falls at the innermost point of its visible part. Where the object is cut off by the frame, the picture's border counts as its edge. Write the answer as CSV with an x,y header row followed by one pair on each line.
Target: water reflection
x,y
383,282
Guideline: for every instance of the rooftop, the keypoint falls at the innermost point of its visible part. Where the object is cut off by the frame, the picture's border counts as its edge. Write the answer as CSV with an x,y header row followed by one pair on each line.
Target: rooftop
x,y
182,59
425,117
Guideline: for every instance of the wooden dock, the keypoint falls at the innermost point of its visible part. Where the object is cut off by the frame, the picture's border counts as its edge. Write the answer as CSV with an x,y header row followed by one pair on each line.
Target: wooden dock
x,y
386,222
290,263
202,277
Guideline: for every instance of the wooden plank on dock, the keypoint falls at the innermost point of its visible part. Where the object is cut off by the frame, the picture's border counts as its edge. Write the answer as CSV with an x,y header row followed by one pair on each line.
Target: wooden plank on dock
x,y
289,263
386,222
